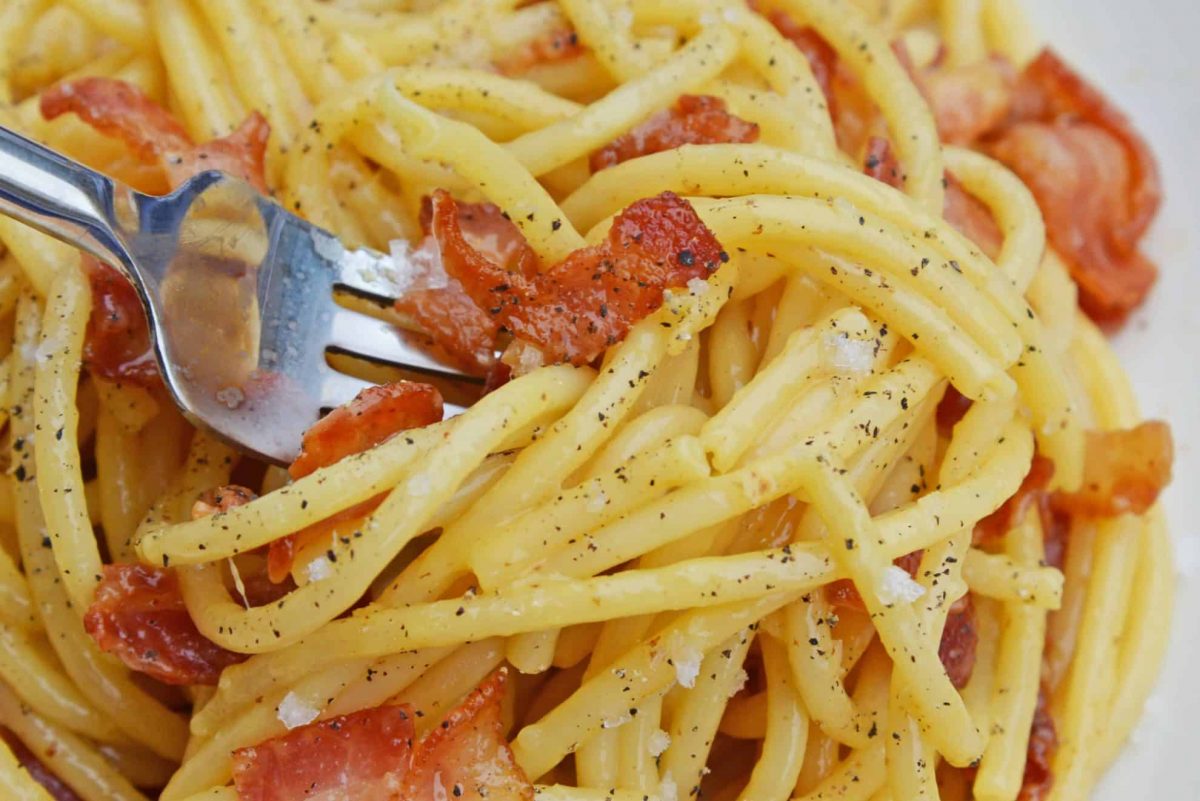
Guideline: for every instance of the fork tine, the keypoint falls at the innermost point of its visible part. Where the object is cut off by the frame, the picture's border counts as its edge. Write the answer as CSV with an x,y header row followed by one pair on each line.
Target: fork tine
x,y
364,337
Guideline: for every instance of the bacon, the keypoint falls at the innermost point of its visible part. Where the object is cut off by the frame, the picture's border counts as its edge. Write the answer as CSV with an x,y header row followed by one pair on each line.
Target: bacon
x,y
139,615
375,415
370,756
1124,471
881,164
37,770
843,593
121,110
117,343
959,638
1031,494
576,309
693,120
1043,742
822,58
555,45
968,101
1094,178
467,756
221,499
364,755
971,218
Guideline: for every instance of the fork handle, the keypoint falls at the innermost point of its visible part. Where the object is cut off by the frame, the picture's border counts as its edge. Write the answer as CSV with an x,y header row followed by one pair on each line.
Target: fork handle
x,y
60,197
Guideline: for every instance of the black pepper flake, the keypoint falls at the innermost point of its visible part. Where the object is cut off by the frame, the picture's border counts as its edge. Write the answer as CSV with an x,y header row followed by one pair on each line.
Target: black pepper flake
x,y
686,257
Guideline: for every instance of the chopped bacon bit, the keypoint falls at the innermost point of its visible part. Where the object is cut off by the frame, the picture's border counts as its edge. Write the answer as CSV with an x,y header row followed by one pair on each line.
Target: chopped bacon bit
x,y
1043,742
498,376
467,756
221,499
1031,493
1094,178
139,615
241,154
576,309
881,164
559,44
37,770
693,120
122,111
822,58
463,332
952,408
959,638
375,415
370,756
971,218
1124,471
364,755
117,342
968,101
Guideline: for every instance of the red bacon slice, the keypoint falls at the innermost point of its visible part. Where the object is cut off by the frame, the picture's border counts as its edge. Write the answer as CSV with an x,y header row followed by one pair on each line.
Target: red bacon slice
x,y
375,415
139,615
559,44
362,756
117,346
959,638
1094,178
576,309
1043,742
881,163
466,756
822,58
971,218
1124,471
693,120
370,756
968,101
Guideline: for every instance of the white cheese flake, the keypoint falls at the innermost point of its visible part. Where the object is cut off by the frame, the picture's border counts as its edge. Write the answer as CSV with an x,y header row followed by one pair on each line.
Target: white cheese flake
x,y
667,788
898,586
697,286
597,502
319,568
420,485
294,712
687,666
846,354
735,688
659,742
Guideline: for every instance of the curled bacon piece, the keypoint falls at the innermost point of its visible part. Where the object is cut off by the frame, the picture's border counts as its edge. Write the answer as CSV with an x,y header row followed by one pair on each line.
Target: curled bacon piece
x,y
467,755
117,346
139,615
1124,471
959,638
576,309
371,756
1031,494
693,120
968,101
117,343
365,755
1043,742
37,770
970,217
1094,178
376,414
558,44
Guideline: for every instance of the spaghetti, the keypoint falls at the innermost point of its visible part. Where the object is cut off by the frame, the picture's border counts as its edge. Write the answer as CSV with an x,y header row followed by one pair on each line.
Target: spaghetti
x,y
800,475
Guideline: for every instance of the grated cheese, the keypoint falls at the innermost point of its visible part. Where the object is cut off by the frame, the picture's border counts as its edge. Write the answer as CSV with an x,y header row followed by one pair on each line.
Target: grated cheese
x,y
898,586
687,666
659,742
293,712
844,353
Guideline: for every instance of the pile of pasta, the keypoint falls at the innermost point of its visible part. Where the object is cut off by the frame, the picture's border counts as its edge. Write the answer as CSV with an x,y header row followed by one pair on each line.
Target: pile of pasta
x,y
800,473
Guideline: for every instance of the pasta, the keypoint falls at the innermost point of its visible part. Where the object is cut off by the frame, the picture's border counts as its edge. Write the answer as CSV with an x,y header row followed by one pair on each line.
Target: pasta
x,y
803,470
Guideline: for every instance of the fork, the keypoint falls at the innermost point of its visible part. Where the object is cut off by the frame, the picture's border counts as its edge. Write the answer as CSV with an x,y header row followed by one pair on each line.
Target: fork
x,y
241,295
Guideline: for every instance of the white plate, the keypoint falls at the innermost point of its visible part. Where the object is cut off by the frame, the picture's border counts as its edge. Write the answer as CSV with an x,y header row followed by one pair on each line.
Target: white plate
x,y
1144,56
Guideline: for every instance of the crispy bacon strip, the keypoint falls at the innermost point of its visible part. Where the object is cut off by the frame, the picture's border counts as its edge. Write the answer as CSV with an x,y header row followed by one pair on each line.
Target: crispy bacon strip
x,y
56,787
959,638
117,346
375,415
364,755
1094,178
139,615
1124,471
117,343
693,120
559,44
370,756
1043,742
576,309
467,754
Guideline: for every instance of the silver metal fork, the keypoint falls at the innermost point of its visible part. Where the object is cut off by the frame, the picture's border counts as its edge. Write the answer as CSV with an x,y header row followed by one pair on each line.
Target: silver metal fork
x,y
240,294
